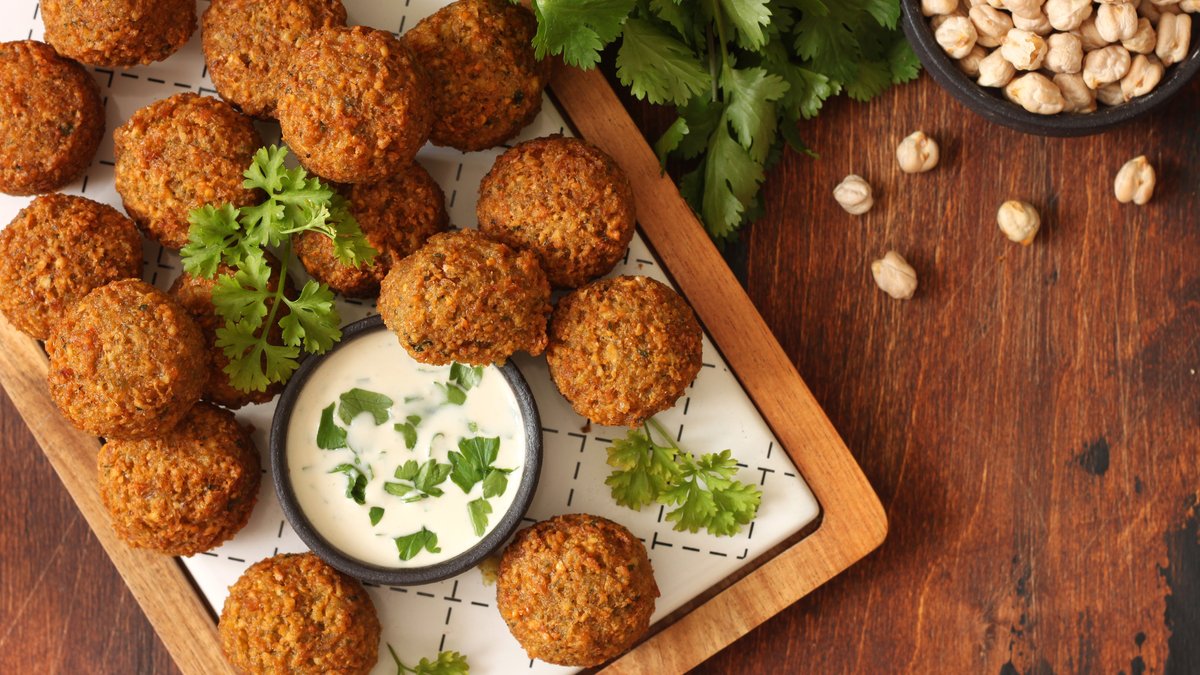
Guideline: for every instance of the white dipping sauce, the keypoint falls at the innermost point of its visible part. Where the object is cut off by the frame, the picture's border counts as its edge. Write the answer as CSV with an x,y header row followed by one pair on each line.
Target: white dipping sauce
x,y
376,362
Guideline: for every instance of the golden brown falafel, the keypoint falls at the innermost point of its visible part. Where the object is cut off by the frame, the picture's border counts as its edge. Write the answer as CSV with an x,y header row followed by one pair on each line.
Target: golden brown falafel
x,y
487,83
179,154
195,295
467,298
563,199
56,251
184,491
247,44
396,215
126,362
354,105
576,590
118,32
293,613
623,349
53,118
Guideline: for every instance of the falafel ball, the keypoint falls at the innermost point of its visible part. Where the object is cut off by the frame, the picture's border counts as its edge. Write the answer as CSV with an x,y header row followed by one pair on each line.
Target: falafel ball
x,y
623,349
563,199
178,154
354,105
185,491
576,590
56,251
467,298
195,294
118,32
487,83
293,613
247,44
126,362
396,215
53,118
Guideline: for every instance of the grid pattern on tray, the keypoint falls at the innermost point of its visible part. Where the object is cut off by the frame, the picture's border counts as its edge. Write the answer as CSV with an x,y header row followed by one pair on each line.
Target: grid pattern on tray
x,y
459,613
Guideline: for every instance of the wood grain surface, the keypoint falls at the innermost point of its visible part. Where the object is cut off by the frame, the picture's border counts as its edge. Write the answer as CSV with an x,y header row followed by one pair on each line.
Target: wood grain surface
x,y
1031,419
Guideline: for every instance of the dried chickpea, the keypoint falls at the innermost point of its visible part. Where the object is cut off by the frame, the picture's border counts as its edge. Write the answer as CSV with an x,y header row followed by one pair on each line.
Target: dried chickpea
x,y
1039,24
991,24
854,194
895,276
1135,182
1079,98
1019,221
938,7
1110,94
1036,93
1025,50
917,153
1174,38
1105,66
1144,40
1067,15
1064,53
1145,72
995,70
956,36
1090,36
1116,21
969,64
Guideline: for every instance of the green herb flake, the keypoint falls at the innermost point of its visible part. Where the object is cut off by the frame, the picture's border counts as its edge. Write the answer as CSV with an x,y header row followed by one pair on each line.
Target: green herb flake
x,y
479,510
356,481
474,457
455,395
495,482
376,514
410,545
357,401
409,432
329,435
421,480
466,377
446,663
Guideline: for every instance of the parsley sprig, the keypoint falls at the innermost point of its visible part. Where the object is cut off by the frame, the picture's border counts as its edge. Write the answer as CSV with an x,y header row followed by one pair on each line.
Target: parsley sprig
x,y
250,299
741,73
703,491
446,663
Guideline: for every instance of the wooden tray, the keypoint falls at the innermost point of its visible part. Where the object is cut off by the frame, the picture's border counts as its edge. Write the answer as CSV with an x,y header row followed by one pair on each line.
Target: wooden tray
x,y
852,522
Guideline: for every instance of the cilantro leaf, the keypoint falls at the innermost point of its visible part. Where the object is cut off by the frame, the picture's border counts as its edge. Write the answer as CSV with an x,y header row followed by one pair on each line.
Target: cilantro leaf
x,y
479,509
410,545
329,435
731,180
421,480
657,67
748,17
495,482
752,95
357,401
211,232
643,470
472,460
312,320
356,481
375,514
578,29
455,395
466,377
670,139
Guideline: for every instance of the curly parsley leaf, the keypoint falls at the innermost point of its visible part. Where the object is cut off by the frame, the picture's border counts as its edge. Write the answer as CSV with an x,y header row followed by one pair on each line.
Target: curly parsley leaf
x,y
358,401
446,663
211,232
410,545
312,321
705,492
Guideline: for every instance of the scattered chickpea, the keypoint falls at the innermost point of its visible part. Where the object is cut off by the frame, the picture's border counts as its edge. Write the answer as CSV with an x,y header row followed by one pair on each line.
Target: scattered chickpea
x,y
917,153
1135,182
895,276
1019,221
854,194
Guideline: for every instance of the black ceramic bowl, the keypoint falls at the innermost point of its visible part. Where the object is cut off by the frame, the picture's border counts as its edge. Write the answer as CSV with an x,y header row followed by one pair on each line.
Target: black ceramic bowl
x,y
407,576
992,105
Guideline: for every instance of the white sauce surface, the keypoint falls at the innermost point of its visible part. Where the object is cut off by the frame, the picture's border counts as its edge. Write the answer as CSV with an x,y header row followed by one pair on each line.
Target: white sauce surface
x,y
377,362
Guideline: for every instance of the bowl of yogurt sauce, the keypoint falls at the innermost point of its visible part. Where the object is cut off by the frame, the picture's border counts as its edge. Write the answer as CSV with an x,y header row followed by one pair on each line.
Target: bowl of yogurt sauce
x,y
398,472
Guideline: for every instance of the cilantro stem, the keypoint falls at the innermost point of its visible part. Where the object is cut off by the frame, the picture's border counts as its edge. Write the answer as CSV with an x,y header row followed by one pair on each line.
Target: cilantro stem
x,y
662,431
718,20
285,258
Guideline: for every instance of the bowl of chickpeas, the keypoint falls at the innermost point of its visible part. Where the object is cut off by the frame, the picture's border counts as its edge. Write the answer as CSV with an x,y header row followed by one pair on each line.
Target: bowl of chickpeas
x,y
1057,67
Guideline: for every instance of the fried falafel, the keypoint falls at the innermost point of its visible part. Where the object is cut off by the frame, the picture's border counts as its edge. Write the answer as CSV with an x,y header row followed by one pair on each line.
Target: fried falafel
x,y
53,118
185,491
623,349
293,613
576,590
487,82
247,44
118,32
354,105
563,199
179,154
396,215
56,251
126,362
467,298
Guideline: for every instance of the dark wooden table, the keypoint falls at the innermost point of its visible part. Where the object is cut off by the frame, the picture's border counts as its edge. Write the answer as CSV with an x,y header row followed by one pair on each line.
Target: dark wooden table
x,y
1031,420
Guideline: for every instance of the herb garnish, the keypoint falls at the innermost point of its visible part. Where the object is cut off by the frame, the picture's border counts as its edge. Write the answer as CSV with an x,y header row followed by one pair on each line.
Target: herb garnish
x,y
741,74
357,401
462,379
704,490
408,429
479,510
376,514
329,435
245,299
356,481
421,480
411,544
447,663
473,463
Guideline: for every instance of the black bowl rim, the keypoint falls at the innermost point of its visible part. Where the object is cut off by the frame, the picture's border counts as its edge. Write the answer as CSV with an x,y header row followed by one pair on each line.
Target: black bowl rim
x,y
406,576
1002,111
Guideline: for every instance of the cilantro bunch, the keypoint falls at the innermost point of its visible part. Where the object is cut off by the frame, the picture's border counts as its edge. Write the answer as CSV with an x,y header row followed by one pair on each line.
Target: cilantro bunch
x,y
741,74
703,491
250,300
